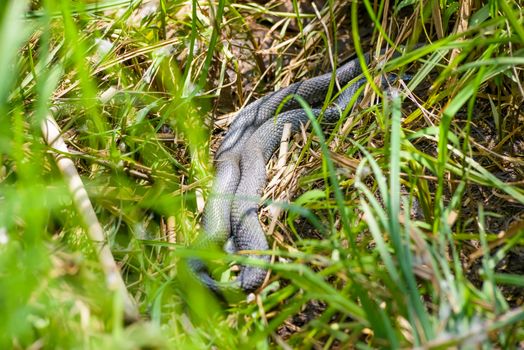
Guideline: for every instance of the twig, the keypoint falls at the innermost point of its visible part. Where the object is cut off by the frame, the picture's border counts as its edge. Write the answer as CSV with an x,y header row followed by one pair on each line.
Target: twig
x,y
171,231
52,136
284,146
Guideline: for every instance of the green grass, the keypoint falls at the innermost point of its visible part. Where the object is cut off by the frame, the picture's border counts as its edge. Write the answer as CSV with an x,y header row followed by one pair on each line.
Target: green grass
x,y
139,98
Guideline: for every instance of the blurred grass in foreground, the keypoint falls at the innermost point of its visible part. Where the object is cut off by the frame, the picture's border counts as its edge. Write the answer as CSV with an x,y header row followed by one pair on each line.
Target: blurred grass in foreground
x,y
139,86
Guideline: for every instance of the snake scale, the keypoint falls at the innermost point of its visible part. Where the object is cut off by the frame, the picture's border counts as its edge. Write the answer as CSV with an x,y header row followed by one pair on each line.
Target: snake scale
x,y
231,212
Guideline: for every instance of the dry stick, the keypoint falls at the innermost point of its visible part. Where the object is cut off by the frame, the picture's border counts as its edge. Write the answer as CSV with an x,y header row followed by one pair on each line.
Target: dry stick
x,y
284,146
52,136
275,210
171,235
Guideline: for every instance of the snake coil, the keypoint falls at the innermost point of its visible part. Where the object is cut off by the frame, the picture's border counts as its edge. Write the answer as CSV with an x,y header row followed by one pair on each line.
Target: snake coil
x,y
231,212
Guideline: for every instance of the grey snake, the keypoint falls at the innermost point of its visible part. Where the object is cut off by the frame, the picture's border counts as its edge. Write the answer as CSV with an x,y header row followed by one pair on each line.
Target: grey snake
x,y
231,212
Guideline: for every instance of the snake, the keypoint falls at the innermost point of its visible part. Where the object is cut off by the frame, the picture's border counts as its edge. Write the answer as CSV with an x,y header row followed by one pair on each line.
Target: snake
x,y
231,212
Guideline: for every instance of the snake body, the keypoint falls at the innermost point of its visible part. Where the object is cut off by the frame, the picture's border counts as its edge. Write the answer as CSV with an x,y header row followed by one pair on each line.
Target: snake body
x,y
231,212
